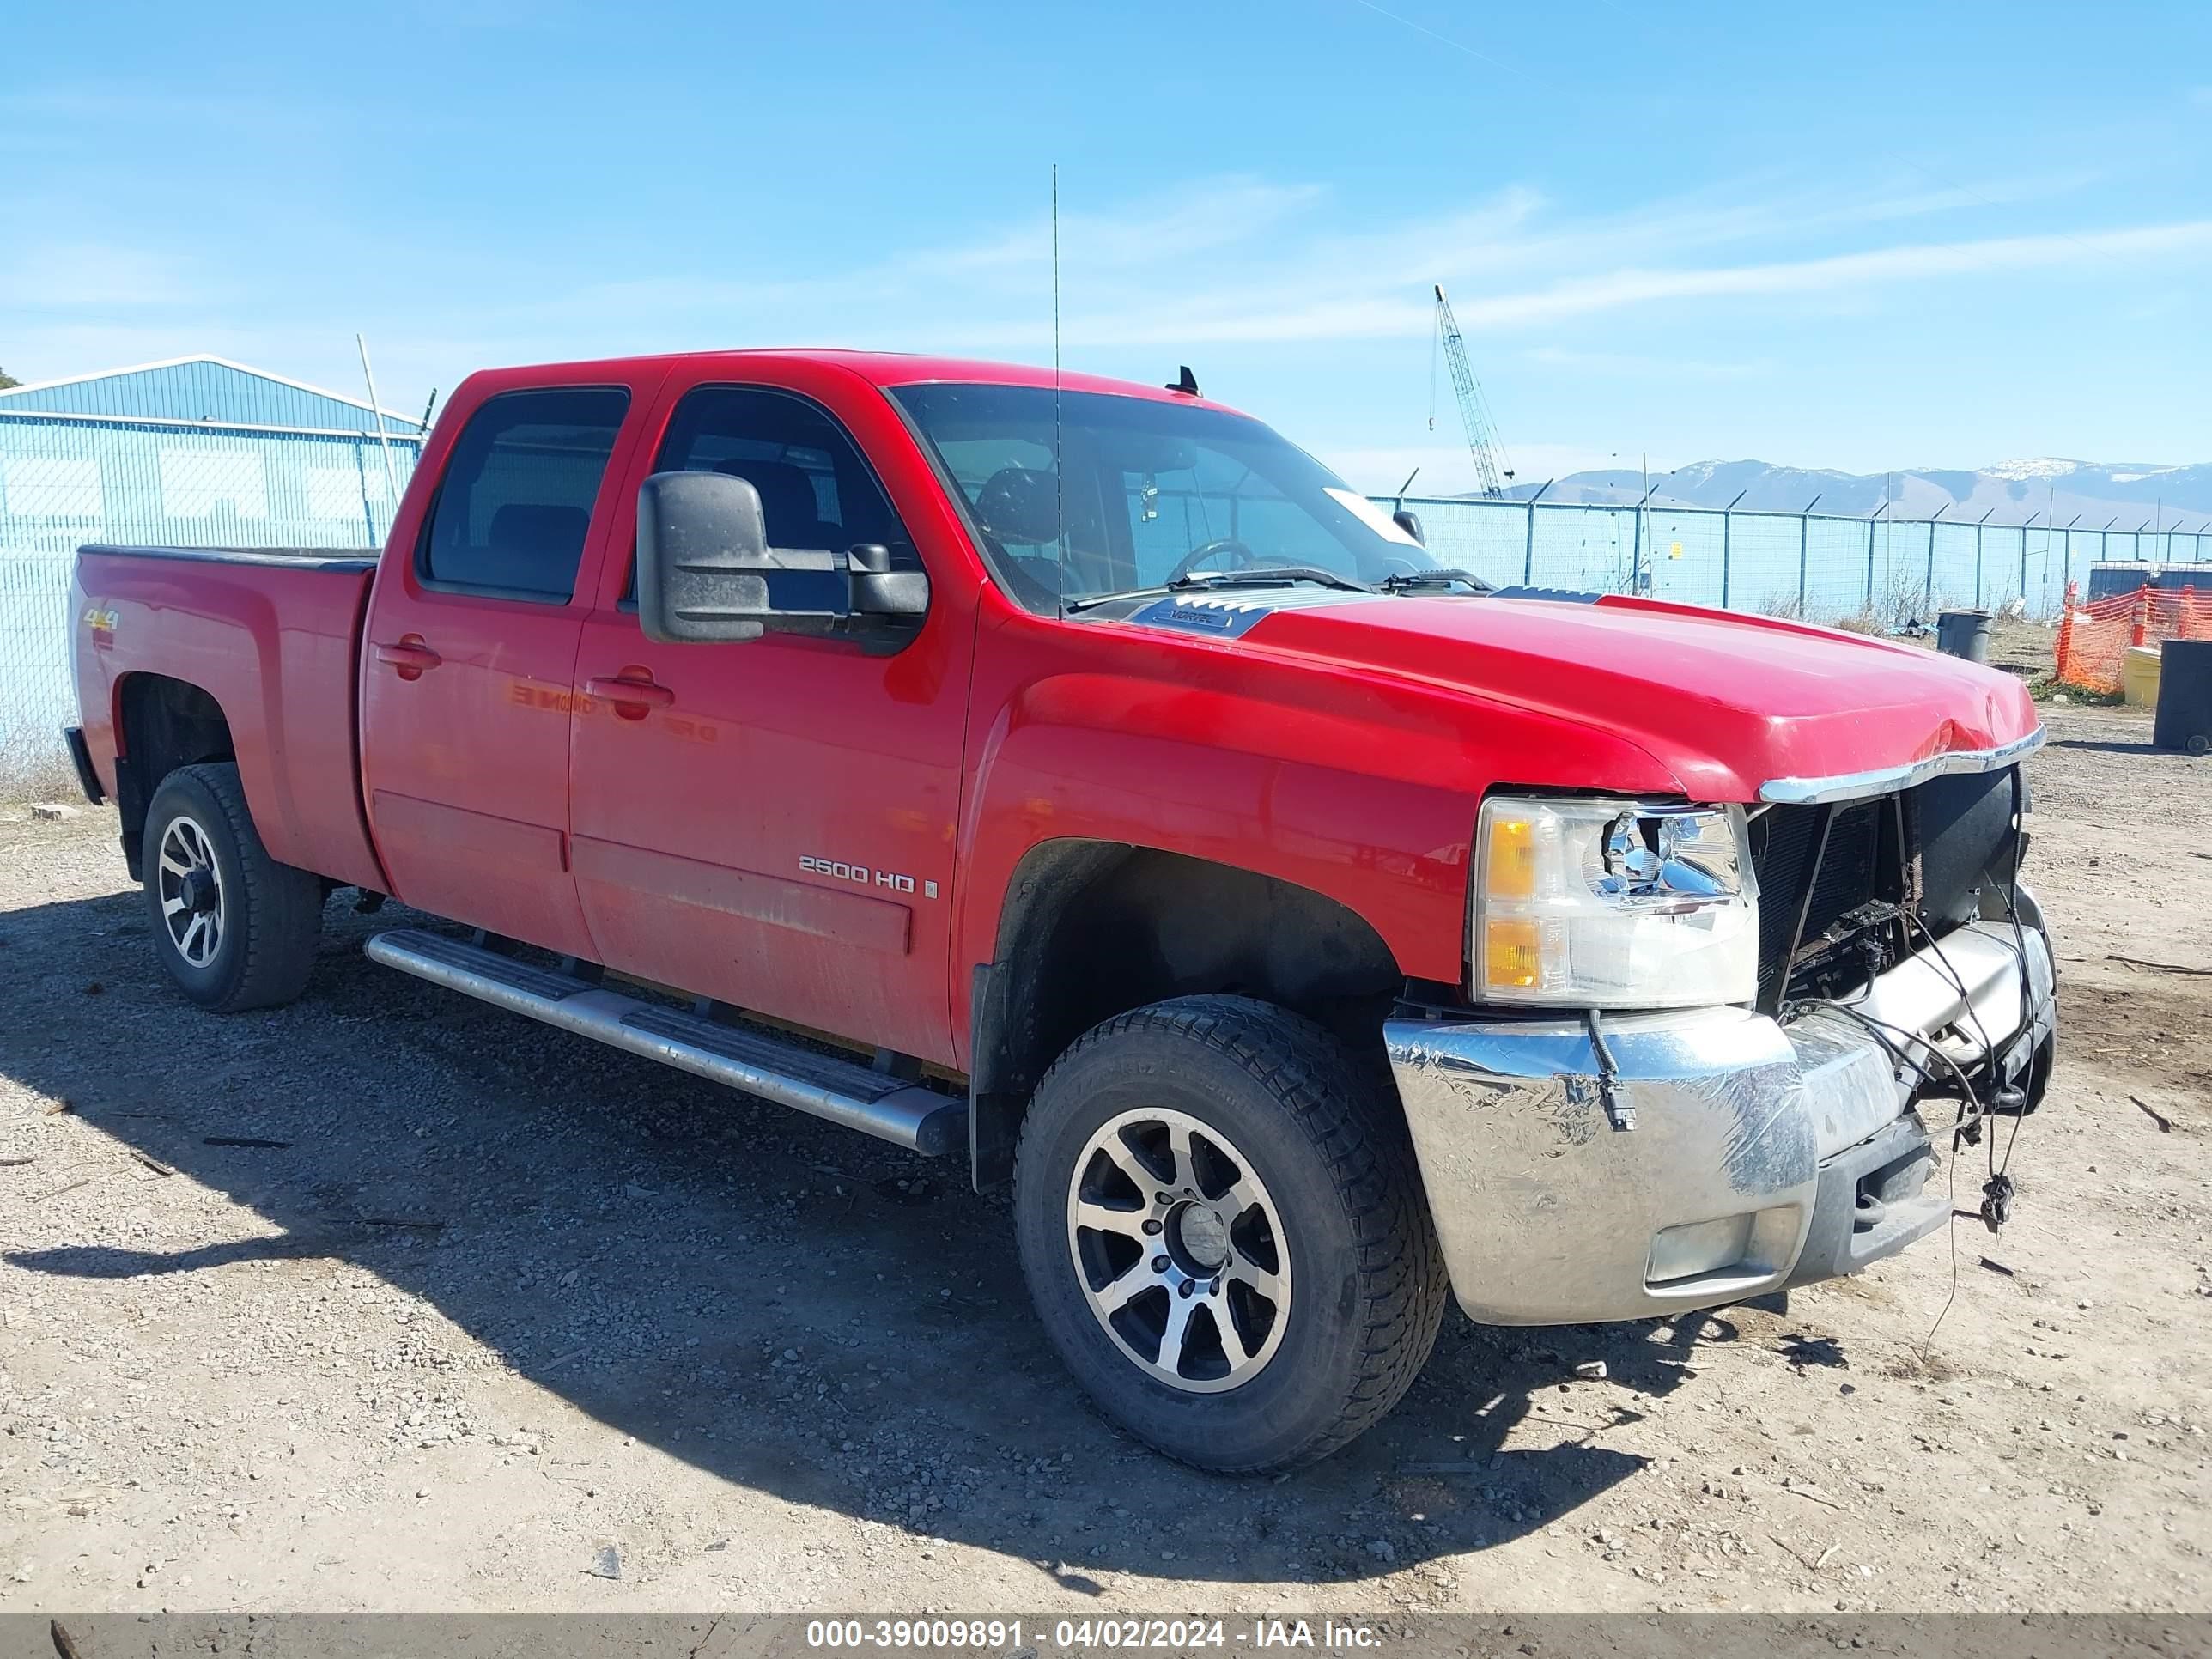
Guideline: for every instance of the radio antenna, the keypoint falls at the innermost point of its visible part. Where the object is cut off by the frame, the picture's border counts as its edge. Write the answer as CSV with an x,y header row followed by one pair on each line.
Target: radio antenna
x,y
1058,448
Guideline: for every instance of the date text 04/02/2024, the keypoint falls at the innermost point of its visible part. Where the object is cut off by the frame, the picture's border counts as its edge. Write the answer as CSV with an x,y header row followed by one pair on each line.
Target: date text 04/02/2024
x,y
1083,1634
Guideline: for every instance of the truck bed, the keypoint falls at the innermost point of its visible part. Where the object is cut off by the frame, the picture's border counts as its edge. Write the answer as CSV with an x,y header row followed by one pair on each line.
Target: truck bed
x,y
273,634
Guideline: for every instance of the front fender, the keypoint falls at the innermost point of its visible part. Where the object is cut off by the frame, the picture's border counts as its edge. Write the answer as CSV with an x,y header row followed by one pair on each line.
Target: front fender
x,y
1094,759
1356,784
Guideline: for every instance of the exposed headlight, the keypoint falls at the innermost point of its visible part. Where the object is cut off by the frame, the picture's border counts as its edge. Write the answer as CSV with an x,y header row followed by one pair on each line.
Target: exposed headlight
x,y
1613,904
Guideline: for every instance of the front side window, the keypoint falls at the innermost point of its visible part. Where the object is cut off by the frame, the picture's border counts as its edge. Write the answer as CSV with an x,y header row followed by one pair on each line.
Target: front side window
x,y
1143,491
815,490
515,504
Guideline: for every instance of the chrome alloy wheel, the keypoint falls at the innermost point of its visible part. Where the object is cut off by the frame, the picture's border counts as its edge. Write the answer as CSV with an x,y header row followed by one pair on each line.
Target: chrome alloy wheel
x,y
192,892
1179,1250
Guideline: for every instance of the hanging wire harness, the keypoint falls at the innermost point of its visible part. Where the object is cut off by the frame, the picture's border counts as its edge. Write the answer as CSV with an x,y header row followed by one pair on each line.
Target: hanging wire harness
x,y
1993,1095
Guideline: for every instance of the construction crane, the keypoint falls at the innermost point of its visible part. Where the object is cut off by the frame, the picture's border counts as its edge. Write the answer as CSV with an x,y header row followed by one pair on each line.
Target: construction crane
x,y
1489,470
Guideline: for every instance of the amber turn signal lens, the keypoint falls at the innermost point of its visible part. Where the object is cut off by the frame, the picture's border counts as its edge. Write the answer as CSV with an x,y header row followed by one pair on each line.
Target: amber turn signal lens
x,y
1511,953
1511,873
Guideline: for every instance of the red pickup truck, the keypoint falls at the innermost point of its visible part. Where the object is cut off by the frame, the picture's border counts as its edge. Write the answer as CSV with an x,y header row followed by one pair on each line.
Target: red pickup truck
x,y
1077,777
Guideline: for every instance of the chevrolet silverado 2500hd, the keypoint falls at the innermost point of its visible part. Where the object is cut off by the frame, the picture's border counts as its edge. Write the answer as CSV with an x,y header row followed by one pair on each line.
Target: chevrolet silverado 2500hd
x,y
1077,778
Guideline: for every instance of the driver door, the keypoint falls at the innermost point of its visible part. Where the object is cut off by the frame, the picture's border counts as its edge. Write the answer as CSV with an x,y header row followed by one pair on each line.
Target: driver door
x,y
771,822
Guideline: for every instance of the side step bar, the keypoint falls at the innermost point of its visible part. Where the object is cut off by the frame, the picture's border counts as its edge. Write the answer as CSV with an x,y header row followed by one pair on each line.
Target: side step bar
x,y
918,1118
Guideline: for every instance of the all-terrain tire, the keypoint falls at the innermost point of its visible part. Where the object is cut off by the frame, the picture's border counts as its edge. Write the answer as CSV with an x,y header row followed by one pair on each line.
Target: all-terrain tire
x,y
1328,1141
270,915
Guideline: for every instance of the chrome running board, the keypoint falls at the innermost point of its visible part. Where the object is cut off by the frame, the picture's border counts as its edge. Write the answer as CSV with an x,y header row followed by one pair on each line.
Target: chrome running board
x,y
757,1062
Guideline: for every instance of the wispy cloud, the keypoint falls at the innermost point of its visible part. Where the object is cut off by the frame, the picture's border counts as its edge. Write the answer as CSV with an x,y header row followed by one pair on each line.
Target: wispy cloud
x,y
1243,260
1220,260
1442,40
80,113
2189,238
1622,363
1400,308
1133,246
79,276
1205,217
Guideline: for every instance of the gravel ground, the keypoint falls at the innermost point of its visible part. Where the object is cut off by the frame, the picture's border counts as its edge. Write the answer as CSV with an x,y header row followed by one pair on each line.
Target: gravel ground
x,y
390,1301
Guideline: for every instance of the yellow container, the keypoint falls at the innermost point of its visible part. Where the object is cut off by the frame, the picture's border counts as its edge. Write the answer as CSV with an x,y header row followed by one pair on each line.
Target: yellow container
x,y
2139,676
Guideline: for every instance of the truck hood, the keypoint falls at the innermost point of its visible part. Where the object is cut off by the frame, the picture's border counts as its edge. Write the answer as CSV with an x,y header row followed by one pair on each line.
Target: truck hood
x,y
1736,707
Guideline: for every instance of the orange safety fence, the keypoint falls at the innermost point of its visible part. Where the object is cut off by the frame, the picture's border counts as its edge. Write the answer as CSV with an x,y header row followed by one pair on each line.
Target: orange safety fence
x,y
2094,637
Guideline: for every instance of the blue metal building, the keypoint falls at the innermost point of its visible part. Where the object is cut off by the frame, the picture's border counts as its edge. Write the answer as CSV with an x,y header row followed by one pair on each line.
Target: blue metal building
x,y
204,391
193,452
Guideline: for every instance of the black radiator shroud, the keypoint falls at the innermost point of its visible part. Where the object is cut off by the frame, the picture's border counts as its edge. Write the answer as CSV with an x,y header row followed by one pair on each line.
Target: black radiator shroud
x,y
1833,908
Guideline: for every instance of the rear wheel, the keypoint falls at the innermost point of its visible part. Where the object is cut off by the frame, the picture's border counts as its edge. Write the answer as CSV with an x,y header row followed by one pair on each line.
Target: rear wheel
x,y
234,928
1223,1228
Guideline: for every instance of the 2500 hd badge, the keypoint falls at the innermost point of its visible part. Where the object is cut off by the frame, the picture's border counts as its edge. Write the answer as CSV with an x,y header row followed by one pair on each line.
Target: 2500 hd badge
x,y
838,869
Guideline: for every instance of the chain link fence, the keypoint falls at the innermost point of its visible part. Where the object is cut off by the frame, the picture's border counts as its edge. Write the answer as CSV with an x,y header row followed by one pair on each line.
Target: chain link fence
x,y
1877,572
66,480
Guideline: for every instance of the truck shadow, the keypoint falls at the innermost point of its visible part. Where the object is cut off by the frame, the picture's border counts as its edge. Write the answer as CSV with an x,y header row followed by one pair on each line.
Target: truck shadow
x,y
2112,746
779,1304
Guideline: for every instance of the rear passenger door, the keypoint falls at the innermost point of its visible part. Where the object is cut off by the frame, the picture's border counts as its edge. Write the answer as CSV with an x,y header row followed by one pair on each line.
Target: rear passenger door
x,y
466,668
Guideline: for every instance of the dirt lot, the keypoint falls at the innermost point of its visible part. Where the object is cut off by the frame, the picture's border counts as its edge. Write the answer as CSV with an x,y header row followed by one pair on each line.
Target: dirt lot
x,y
390,1301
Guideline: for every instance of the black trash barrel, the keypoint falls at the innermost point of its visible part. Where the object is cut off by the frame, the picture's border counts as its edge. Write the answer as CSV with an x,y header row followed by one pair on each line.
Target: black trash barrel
x,y
2185,697
1964,634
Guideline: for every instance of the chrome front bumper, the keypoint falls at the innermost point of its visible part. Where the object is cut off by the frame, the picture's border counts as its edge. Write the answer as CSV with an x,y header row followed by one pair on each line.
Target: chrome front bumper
x,y
1759,1156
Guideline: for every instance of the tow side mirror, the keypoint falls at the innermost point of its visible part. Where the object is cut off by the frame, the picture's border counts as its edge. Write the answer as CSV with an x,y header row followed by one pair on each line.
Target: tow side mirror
x,y
706,572
1410,524
879,593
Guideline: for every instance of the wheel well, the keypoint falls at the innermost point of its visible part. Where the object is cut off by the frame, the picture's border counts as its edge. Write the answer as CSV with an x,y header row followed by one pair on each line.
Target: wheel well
x,y
1094,929
165,723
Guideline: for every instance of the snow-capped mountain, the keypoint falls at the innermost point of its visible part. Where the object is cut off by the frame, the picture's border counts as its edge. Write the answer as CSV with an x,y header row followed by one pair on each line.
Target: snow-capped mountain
x,y
2058,491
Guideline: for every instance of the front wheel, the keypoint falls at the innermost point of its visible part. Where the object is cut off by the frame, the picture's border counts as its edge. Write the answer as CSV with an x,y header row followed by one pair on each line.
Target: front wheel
x,y
234,928
1222,1225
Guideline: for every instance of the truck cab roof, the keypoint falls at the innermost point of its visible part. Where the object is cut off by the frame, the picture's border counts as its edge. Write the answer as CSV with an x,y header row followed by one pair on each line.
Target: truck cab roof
x,y
881,369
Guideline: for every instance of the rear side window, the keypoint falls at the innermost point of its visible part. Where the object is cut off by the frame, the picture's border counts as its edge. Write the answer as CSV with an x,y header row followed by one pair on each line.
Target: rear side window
x,y
515,503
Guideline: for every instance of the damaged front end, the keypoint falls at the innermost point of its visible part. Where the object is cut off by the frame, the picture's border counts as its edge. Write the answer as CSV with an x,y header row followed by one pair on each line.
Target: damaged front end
x,y
1588,1166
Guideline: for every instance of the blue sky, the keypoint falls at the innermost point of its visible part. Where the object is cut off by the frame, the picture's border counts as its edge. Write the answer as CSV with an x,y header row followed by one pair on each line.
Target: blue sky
x,y
1861,237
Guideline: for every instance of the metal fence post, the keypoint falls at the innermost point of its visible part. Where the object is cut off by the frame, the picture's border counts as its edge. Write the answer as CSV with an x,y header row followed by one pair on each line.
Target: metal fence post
x,y
1928,582
1869,581
367,505
1638,581
1528,554
1804,526
1728,522
1979,523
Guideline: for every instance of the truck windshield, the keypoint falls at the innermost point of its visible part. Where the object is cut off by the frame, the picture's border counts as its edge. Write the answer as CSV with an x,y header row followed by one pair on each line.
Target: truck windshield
x,y
1106,494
